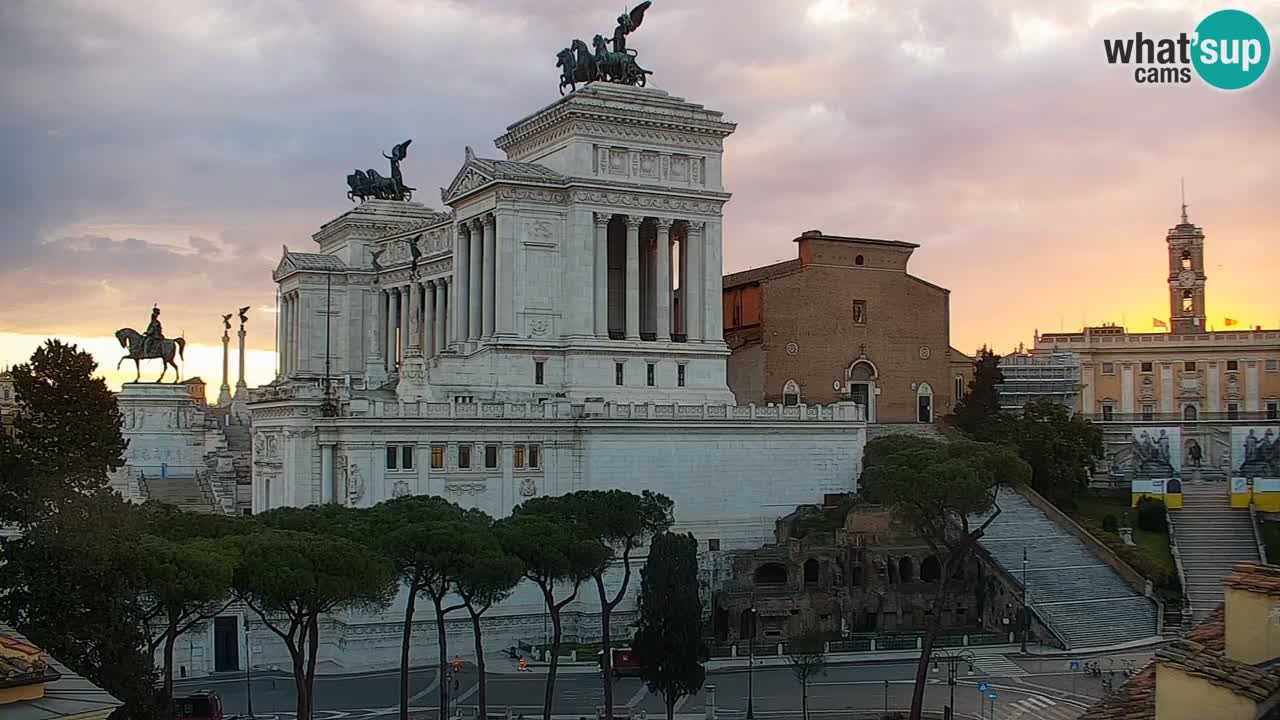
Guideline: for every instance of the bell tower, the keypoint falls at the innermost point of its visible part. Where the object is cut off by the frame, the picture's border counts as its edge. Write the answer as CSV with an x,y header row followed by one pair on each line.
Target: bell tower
x,y
1186,277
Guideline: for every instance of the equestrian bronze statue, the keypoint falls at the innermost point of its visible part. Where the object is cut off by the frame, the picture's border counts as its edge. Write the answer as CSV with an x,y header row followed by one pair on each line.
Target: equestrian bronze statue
x,y
579,65
365,184
151,345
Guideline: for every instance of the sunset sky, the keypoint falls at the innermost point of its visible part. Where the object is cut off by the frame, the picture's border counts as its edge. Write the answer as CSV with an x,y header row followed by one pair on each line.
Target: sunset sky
x,y
164,152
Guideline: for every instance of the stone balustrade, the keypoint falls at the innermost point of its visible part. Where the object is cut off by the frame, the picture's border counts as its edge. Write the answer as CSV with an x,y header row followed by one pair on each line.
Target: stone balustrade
x,y
599,410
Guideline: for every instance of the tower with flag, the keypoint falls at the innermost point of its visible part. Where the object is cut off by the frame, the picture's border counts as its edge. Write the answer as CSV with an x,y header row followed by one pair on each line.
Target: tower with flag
x,y
1186,277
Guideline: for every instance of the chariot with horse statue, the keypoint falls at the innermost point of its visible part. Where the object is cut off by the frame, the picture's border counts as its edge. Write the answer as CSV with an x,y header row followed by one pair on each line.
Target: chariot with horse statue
x,y
578,64
365,184
151,345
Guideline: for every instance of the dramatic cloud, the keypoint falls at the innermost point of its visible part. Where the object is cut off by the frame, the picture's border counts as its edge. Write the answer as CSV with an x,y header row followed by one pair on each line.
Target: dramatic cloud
x,y
164,153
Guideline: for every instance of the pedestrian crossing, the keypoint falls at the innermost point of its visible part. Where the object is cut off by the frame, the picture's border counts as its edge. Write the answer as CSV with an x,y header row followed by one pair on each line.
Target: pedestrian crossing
x,y
998,666
1037,707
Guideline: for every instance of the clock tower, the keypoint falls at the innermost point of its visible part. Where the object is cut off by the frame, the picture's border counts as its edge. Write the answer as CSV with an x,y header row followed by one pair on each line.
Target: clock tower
x,y
1186,277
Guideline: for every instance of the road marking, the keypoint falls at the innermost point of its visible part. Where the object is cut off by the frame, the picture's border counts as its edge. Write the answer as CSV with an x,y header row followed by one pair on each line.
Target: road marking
x,y
998,665
638,697
467,694
680,703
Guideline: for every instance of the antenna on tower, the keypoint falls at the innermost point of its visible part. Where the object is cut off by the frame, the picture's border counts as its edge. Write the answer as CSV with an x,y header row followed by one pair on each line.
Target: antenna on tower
x,y
1183,183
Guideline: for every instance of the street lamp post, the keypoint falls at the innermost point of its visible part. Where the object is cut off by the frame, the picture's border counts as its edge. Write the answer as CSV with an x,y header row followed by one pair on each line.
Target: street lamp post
x,y
248,668
953,661
751,661
1026,619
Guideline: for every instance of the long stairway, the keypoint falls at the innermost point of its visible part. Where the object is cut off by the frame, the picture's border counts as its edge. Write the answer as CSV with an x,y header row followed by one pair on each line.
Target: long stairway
x,y
185,492
1086,602
1211,537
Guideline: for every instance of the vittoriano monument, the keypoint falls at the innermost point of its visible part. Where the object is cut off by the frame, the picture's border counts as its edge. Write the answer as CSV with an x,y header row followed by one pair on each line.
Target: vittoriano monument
x,y
365,184
578,65
151,345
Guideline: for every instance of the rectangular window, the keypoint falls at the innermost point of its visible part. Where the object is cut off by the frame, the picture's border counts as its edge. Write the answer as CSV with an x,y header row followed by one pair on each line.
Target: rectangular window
x,y
437,457
393,453
537,372
1148,412
617,373
490,456
406,457
246,511
1273,410
519,457
1233,365
649,373
1108,368
1146,366
680,376
1233,411
859,312
713,544
1108,413
533,457
1189,366
1273,365
464,457
464,399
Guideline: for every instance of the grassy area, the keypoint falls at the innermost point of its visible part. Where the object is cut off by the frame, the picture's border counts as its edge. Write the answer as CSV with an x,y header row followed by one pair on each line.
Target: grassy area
x,y
1271,539
1095,507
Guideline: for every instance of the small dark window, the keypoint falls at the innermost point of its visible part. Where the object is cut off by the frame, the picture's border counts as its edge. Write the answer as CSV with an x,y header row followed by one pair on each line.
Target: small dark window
x,y
1108,413
464,457
1186,259
713,544
1188,302
649,373
518,457
437,457
858,260
533,456
811,571
1233,365
617,373
1190,413
537,372
392,452
680,376
1108,368
859,312
930,569
1146,366
1273,411
491,456
1148,413
1233,411
406,457
246,511
1189,366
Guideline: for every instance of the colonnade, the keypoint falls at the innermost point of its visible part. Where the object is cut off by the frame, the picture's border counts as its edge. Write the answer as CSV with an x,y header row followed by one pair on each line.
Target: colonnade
x,y
289,333
476,270
649,279
410,320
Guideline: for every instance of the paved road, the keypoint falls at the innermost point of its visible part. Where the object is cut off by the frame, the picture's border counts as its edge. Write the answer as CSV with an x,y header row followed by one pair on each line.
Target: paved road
x,y
1025,690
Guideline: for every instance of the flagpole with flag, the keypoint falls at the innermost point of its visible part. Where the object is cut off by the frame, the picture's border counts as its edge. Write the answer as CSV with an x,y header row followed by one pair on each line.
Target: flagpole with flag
x,y
1157,322
1229,322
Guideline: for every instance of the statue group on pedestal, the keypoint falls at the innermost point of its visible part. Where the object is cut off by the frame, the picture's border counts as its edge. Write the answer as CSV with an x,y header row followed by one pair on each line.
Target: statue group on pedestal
x,y
151,345
365,184
1151,457
1261,455
579,65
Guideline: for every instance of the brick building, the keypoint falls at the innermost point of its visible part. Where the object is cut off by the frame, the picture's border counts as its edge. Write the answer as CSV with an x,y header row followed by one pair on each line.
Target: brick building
x,y
844,321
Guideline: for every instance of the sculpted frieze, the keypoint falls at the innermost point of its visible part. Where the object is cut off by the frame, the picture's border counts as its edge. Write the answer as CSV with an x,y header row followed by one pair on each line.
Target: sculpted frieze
x,y
531,194
646,202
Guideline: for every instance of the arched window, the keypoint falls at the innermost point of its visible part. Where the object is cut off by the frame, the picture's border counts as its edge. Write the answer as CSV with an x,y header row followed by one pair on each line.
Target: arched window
x,y
857,575
1188,302
1186,259
1190,413
959,388
858,260
771,574
930,570
791,393
904,570
924,403
811,571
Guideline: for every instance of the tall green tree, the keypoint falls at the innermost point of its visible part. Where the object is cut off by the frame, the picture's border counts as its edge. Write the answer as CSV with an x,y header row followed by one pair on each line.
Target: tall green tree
x,y
1061,448
486,575
553,551
978,413
936,489
623,522
67,433
290,578
668,641
422,537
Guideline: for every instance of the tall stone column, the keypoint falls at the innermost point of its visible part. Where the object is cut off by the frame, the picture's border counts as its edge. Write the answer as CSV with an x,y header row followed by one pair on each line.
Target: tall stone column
x,y
662,291
442,313
390,339
489,296
241,384
224,393
429,319
374,367
404,322
682,316
279,334
600,294
414,327
461,281
633,276
694,295
712,272
475,294
328,488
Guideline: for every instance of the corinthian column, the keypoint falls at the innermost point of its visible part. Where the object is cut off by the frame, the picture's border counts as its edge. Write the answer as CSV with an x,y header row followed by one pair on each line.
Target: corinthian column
x,y
224,393
695,295
413,328
241,383
428,318
662,291
442,313
462,282
489,294
633,276
475,307
600,294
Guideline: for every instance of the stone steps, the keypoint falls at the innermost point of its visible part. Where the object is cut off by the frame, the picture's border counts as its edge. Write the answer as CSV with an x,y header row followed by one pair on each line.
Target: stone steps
x,y
1212,536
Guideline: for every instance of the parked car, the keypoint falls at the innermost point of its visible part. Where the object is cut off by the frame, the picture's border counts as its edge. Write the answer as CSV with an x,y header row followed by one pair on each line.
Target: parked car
x,y
199,705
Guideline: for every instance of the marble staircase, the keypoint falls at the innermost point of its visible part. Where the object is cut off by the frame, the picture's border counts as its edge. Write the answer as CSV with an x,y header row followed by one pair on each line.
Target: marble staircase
x,y
1084,601
1211,537
187,492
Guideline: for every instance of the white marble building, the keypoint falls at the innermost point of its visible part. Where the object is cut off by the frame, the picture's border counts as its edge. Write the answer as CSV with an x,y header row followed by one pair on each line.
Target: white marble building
x,y
561,330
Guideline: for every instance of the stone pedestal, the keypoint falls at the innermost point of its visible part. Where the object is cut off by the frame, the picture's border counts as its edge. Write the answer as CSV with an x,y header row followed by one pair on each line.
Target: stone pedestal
x,y
412,385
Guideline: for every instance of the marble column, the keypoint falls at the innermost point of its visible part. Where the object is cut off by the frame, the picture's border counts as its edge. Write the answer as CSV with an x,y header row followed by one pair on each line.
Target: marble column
x,y
694,295
429,319
682,272
442,313
279,334
489,295
662,290
241,384
475,289
327,486
389,316
712,268
404,322
414,326
224,392
600,295
461,281
633,276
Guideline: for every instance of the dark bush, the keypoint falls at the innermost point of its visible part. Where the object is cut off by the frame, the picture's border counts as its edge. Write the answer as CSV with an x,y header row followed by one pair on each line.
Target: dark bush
x,y
1110,524
1151,515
